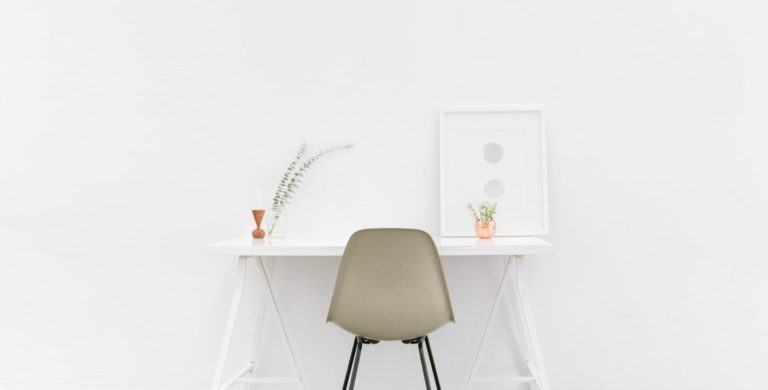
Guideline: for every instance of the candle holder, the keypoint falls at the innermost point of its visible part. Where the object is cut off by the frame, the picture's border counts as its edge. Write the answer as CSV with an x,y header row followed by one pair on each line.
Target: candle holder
x,y
258,215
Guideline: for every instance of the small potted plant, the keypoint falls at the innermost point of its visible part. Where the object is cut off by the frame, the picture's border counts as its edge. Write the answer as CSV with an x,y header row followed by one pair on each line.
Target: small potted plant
x,y
484,214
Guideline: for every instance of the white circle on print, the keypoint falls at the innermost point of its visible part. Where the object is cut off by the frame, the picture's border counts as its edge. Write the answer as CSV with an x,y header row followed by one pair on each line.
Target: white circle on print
x,y
494,188
493,152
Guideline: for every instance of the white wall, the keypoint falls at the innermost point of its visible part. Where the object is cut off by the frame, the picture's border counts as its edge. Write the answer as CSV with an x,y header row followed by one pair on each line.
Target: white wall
x,y
134,132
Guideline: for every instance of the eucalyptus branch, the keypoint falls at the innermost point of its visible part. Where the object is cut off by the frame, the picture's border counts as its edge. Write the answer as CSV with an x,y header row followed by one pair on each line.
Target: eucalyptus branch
x,y
291,179
286,176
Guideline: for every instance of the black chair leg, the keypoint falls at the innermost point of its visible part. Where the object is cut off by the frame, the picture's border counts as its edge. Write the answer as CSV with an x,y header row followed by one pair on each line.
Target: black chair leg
x,y
432,362
357,347
349,366
356,363
424,363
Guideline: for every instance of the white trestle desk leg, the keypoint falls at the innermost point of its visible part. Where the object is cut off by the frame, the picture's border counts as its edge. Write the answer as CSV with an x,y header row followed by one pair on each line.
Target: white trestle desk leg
x,y
262,314
535,364
491,316
533,352
271,294
234,309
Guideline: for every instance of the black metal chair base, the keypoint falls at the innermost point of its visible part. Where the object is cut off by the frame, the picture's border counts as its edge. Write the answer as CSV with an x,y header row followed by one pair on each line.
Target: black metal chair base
x,y
357,347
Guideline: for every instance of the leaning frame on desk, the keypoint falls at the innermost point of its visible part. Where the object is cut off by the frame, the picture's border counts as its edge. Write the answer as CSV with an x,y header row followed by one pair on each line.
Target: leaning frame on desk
x,y
513,248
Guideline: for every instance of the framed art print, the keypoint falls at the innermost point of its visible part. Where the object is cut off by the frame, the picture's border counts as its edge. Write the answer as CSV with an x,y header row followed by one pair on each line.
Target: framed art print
x,y
495,155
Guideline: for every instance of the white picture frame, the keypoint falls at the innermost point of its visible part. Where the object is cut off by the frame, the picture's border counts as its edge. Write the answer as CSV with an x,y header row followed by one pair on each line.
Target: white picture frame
x,y
496,154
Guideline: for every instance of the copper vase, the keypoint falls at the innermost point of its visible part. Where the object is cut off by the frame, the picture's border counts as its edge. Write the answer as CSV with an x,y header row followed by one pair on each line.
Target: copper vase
x,y
485,229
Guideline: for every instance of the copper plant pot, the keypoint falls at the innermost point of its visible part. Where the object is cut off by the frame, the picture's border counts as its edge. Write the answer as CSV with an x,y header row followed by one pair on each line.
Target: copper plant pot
x,y
485,229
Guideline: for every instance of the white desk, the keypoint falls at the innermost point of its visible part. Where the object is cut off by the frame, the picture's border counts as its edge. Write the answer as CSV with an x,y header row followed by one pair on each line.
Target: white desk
x,y
514,248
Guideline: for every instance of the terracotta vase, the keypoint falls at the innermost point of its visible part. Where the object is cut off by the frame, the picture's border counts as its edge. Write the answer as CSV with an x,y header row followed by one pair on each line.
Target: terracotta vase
x,y
258,215
485,229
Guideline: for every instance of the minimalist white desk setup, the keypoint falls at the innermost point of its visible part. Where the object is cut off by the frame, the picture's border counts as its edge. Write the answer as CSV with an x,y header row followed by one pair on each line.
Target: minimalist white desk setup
x,y
495,155
513,248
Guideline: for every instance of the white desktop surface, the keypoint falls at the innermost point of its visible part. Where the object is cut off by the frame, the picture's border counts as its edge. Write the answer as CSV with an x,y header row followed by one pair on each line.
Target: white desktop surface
x,y
334,246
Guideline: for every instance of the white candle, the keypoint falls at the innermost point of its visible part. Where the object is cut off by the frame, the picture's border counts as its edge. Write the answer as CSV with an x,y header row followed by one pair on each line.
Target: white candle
x,y
258,200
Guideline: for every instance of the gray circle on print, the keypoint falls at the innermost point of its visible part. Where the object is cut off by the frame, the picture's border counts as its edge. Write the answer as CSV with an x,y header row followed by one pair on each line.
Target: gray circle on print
x,y
494,188
493,152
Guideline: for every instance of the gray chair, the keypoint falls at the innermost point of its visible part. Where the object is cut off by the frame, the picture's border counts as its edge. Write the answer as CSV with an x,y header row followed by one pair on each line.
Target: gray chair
x,y
390,286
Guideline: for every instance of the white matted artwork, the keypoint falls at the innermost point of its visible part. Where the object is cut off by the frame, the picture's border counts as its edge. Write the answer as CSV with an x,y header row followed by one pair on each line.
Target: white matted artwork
x,y
498,155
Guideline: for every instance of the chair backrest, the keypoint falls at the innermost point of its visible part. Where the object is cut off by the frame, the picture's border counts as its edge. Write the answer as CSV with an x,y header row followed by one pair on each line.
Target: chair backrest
x,y
390,286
